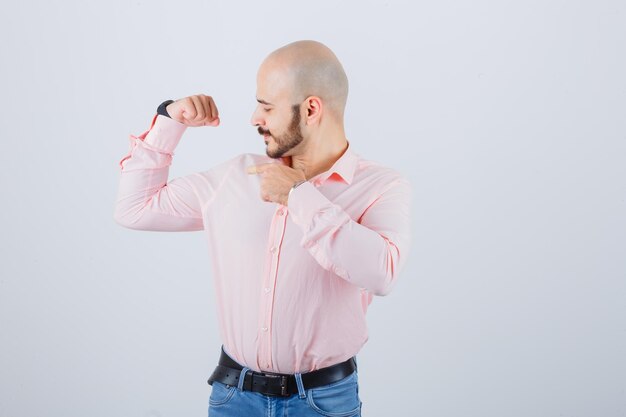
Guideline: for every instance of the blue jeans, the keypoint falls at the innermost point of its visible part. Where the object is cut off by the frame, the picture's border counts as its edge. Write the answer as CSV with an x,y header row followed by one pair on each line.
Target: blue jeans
x,y
339,399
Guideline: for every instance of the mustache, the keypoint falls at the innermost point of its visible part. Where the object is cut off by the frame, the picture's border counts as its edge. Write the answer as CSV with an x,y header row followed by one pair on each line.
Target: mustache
x,y
263,131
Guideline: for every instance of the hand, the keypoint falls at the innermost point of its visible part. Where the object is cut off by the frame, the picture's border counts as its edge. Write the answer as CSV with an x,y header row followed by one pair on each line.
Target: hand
x,y
198,110
276,180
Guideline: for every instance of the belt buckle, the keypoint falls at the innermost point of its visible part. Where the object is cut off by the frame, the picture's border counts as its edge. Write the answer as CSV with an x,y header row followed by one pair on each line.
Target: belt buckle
x,y
283,386
283,380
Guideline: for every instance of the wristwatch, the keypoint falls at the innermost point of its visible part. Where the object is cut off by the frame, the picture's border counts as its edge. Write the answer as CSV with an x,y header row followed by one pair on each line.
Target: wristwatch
x,y
294,187
162,108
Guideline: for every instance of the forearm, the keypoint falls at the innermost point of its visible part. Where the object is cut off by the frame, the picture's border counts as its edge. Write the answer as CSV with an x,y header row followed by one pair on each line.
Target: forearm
x,y
146,201
369,254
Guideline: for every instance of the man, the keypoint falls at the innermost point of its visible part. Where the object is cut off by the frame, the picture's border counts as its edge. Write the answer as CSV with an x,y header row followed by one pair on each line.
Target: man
x,y
300,239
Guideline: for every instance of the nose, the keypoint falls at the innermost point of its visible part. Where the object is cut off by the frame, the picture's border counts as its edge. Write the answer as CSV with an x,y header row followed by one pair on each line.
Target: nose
x,y
256,119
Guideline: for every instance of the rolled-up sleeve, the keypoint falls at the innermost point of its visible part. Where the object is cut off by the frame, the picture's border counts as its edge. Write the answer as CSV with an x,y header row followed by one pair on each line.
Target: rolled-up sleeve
x,y
145,199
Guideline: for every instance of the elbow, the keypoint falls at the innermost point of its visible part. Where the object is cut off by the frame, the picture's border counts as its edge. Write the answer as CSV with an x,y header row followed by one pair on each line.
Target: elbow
x,y
387,277
124,219
130,216
383,287
128,224
383,283
121,220
377,283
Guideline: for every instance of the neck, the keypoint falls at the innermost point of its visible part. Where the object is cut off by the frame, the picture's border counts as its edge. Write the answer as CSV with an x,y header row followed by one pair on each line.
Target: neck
x,y
320,153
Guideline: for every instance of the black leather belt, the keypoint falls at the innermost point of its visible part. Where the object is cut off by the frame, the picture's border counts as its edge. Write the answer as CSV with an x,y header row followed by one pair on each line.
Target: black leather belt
x,y
274,384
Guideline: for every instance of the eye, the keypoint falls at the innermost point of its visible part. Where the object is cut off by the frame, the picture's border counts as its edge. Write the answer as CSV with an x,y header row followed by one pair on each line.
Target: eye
x,y
266,109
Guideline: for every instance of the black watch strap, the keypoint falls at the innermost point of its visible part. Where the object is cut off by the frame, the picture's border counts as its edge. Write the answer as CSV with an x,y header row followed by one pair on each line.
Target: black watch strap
x,y
161,109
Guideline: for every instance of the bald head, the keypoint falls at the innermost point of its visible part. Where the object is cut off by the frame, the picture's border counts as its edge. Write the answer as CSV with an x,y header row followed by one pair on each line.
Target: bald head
x,y
309,68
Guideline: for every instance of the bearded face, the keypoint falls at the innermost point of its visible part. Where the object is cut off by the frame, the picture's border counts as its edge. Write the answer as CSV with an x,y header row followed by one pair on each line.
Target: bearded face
x,y
278,143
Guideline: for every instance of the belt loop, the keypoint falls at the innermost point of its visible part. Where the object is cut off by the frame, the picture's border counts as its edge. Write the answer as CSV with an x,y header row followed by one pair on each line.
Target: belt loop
x,y
300,385
242,377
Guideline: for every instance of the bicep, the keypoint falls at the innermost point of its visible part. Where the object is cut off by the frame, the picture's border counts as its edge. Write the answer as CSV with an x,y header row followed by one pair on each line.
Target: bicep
x,y
172,207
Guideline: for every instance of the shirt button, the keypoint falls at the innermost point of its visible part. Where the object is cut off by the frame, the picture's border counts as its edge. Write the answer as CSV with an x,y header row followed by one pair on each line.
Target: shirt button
x,y
273,249
267,290
264,329
281,212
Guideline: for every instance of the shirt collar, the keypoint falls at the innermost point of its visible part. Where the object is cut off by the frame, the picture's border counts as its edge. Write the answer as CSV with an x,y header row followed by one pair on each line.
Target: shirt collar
x,y
344,167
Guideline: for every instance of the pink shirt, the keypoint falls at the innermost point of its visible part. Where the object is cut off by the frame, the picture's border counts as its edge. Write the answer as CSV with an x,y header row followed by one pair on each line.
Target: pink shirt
x,y
293,282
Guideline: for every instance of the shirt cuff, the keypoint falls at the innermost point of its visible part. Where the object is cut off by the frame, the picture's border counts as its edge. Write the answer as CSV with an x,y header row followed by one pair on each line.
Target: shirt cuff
x,y
165,133
306,202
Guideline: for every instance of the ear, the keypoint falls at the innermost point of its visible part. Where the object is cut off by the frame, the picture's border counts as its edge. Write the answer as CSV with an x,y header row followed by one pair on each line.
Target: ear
x,y
314,109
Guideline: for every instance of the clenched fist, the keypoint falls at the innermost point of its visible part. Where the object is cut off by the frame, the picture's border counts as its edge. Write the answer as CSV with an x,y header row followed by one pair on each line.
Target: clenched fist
x,y
198,110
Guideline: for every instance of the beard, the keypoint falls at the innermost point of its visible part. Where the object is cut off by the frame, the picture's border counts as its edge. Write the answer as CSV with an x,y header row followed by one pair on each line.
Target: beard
x,y
288,140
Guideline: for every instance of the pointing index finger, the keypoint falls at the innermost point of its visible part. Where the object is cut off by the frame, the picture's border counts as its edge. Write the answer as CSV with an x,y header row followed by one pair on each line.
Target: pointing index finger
x,y
258,169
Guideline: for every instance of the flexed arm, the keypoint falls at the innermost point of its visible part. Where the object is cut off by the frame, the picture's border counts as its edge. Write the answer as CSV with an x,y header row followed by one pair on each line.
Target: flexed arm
x,y
146,200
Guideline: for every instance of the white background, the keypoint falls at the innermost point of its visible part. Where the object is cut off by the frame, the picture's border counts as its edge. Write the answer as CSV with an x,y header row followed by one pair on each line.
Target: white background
x,y
508,118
